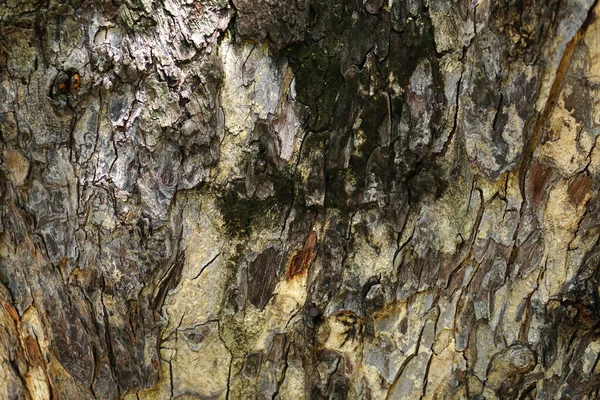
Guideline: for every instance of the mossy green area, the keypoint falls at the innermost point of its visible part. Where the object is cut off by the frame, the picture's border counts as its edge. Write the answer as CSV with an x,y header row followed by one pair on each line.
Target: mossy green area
x,y
316,62
243,214
334,96
318,79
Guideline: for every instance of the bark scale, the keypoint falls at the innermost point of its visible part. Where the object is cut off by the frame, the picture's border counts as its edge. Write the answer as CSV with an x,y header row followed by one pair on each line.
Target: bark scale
x,y
299,199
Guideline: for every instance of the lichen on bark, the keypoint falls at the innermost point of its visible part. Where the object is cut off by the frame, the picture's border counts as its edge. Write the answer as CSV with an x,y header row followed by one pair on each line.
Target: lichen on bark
x,y
299,199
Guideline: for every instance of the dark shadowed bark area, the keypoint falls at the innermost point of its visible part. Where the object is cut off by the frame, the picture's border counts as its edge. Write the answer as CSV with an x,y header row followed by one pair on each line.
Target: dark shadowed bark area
x,y
299,199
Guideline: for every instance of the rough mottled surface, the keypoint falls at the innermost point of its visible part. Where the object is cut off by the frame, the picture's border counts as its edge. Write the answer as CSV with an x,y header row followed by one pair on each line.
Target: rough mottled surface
x,y
299,199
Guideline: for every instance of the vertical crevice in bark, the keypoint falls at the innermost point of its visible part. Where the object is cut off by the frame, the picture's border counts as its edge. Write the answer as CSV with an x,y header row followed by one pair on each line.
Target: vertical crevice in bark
x,y
306,199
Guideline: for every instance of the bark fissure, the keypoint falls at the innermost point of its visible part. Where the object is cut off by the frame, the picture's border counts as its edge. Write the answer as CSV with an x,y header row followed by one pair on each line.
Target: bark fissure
x,y
395,200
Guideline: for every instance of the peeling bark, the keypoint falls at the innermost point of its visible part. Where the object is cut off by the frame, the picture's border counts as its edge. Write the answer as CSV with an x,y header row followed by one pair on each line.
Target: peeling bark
x,y
305,199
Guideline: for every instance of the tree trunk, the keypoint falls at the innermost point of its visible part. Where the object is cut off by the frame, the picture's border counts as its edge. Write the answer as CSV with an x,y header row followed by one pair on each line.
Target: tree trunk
x,y
299,199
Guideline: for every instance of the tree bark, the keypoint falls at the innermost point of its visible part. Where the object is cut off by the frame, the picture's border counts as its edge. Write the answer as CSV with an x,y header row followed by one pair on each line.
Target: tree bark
x,y
299,199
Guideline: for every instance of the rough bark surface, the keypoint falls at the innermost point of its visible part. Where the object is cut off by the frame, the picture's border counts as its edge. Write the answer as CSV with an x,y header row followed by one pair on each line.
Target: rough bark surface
x,y
299,199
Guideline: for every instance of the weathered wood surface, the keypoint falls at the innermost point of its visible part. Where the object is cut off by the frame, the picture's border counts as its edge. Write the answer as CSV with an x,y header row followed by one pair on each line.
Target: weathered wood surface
x,y
299,199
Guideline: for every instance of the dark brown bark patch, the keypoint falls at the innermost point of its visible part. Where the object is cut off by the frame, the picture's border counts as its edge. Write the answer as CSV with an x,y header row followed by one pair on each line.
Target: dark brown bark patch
x,y
263,277
33,351
539,177
579,188
301,259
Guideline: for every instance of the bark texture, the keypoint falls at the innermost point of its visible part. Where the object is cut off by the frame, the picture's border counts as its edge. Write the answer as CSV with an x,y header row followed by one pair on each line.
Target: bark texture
x,y
293,199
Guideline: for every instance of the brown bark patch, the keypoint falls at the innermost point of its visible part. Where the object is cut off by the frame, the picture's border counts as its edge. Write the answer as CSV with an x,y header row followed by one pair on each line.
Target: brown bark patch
x,y
33,351
12,312
539,177
263,277
301,258
579,188
17,165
